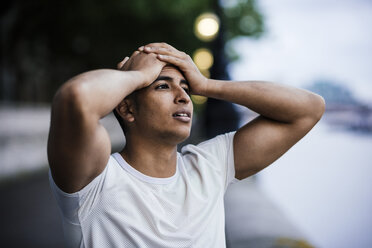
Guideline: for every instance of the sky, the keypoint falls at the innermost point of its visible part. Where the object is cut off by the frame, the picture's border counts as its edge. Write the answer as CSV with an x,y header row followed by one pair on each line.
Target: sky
x,y
308,40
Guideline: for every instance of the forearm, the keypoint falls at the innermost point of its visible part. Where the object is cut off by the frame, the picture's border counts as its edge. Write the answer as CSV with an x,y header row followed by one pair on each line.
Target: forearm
x,y
98,92
278,102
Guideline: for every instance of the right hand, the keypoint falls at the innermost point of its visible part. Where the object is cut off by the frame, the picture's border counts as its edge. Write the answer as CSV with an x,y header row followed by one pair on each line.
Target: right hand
x,y
147,64
167,53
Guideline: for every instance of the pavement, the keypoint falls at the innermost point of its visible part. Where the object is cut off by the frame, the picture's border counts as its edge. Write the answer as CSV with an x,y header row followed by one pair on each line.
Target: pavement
x,y
29,215
30,218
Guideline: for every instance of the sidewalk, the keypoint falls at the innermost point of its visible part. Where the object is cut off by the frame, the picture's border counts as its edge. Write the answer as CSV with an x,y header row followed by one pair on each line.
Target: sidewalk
x,y
29,215
253,219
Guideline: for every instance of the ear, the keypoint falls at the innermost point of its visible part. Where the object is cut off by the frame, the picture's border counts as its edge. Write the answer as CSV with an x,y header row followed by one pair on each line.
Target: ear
x,y
126,110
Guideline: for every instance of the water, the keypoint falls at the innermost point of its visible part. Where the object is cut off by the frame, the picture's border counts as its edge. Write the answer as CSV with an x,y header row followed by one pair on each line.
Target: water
x,y
324,184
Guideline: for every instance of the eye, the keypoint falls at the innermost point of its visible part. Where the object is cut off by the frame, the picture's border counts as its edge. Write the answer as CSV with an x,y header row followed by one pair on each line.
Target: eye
x,y
186,90
162,86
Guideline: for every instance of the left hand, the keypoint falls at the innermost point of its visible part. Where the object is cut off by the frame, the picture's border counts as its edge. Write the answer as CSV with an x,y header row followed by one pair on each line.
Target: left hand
x,y
169,54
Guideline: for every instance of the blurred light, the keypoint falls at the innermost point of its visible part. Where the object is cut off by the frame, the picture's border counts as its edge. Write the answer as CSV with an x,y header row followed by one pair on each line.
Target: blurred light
x,y
199,100
203,58
205,73
206,26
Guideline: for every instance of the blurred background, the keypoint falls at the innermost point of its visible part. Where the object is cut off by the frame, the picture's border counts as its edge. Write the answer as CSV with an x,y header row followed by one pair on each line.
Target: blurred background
x,y
319,194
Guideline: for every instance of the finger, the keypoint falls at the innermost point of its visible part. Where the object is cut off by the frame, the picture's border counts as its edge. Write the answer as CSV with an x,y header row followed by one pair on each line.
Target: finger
x,y
125,59
124,67
165,51
158,50
171,60
121,63
135,53
161,45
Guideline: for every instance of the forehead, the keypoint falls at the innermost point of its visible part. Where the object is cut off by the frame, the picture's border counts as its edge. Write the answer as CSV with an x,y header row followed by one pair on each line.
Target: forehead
x,y
167,71
172,71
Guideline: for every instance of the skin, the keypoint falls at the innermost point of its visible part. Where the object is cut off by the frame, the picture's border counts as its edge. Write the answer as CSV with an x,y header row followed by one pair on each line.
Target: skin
x,y
154,132
79,146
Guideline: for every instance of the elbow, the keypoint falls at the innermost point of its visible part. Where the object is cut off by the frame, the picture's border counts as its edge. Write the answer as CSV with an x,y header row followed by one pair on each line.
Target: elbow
x,y
313,112
69,97
317,107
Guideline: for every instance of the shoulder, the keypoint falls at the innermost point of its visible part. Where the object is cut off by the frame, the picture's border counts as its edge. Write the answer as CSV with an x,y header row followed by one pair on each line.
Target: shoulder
x,y
211,160
108,173
216,152
220,144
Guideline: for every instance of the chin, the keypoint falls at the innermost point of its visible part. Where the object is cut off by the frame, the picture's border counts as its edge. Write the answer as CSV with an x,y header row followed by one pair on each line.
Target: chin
x,y
177,136
184,137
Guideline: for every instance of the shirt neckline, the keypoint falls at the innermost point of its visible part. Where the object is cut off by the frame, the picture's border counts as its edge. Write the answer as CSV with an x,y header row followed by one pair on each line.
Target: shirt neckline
x,y
139,175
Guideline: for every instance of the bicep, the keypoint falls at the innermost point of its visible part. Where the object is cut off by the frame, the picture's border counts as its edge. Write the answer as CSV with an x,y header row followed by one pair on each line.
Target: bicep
x,y
262,141
78,147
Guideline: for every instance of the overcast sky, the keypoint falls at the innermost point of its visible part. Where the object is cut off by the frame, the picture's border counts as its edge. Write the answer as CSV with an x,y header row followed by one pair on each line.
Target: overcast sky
x,y
308,40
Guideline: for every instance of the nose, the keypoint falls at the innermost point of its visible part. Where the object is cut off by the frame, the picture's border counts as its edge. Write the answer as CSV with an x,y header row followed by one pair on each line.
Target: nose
x,y
181,96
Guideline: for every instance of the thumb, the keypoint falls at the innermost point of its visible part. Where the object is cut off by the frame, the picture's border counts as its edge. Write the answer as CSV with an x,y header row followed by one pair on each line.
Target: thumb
x,y
121,64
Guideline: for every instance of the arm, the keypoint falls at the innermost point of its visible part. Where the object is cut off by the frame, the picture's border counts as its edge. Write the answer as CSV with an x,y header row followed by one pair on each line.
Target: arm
x,y
286,113
78,145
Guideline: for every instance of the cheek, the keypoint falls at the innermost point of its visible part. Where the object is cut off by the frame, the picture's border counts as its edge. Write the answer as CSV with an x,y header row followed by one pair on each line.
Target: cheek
x,y
155,108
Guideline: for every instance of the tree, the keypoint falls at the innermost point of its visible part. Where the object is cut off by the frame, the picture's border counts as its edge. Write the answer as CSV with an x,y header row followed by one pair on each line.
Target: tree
x,y
46,42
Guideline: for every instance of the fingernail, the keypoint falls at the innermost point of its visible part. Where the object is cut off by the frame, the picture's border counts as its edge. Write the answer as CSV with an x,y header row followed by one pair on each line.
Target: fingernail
x,y
140,48
148,48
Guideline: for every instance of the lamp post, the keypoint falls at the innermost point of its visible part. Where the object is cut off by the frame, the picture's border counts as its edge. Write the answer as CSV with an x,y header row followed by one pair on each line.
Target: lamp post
x,y
220,116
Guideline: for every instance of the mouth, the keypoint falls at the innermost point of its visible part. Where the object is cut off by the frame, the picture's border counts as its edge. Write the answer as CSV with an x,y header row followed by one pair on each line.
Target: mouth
x,y
182,115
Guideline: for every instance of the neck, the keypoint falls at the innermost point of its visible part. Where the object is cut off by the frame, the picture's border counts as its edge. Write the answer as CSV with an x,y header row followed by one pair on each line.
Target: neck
x,y
150,157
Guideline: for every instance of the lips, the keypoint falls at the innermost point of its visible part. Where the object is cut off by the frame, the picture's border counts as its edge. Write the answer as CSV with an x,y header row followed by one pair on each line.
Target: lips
x,y
182,115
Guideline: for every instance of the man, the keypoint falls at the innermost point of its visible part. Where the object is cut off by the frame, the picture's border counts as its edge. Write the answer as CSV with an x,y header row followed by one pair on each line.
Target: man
x,y
148,195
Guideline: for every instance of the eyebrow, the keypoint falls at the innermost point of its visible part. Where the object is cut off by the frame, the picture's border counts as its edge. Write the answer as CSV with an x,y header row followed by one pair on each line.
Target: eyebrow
x,y
166,78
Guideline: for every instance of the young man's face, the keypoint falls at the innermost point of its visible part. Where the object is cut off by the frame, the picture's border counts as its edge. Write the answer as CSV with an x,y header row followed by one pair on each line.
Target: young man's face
x,y
164,109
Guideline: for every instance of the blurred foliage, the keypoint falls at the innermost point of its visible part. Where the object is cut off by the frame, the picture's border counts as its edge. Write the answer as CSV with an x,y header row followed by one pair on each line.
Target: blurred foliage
x,y
46,42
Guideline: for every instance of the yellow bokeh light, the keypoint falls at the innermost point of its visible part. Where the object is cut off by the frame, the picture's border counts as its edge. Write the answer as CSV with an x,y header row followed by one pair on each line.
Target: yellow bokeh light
x,y
203,58
205,73
199,100
207,26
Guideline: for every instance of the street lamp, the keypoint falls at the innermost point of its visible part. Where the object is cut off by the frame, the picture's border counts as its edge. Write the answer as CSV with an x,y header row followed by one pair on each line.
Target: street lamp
x,y
206,26
203,58
219,116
